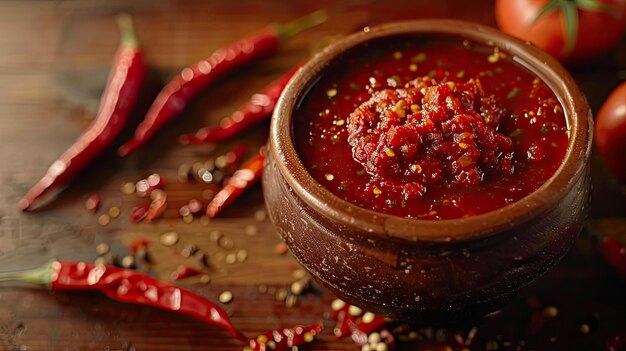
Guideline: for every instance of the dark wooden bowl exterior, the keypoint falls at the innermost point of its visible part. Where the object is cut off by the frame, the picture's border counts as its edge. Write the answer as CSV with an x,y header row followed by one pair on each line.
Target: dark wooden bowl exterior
x,y
429,270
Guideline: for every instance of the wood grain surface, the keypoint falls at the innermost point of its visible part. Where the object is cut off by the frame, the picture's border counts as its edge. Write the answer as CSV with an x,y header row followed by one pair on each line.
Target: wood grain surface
x,y
54,58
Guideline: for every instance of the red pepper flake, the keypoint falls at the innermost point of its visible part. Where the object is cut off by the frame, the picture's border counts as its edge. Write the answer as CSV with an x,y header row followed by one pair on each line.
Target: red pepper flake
x,y
93,203
157,207
183,272
284,339
137,245
137,214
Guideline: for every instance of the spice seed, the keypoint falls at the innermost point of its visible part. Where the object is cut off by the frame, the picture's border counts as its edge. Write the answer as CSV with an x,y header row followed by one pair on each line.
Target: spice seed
x,y
102,249
368,317
281,294
204,221
226,243
194,206
354,311
584,328
205,279
128,188
128,262
291,301
226,297
308,337
231,258
215,236
262,289
383,347
374,338
281,249
189,250
242,255
169,238
298,287
551,311
260,215
188,218
114,212
331,92
337,304
184,211
251,230
104,220
299,274
183,173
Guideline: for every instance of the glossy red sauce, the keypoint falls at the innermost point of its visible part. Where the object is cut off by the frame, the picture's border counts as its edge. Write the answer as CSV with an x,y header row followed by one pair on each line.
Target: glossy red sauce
x,y
435,128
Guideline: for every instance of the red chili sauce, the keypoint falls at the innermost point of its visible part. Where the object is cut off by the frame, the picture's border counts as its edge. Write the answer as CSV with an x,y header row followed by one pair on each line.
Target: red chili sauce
x,y
431,128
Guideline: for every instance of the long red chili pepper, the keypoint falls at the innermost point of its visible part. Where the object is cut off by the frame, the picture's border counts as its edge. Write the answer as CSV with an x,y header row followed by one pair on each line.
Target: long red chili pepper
x,y
191,80
120,94
244,178
127,286
256,110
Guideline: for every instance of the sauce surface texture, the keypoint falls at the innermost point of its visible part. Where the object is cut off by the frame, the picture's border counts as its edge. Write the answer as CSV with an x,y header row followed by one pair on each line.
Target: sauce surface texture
x,y
430,128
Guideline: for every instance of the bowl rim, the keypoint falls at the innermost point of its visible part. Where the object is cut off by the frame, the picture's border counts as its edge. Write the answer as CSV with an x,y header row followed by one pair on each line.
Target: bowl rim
x,y
381,225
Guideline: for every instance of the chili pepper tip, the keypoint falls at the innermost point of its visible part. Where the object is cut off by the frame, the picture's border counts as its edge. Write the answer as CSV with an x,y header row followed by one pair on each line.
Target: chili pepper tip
x,y
128,36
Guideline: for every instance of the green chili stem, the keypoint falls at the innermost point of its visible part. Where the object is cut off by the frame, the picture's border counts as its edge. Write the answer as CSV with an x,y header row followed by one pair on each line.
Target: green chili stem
x,y
128,38
39,276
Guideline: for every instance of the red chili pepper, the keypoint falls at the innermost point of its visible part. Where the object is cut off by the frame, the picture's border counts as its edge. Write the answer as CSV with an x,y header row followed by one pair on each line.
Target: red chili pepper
x,y
244,178
258,109
157,206
284,339
346,318
120,94
174,96
139,213
126,286
183,272
614,253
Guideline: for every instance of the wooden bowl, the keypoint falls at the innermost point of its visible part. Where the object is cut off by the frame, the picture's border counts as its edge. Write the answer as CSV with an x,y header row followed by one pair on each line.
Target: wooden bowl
x,y
428,270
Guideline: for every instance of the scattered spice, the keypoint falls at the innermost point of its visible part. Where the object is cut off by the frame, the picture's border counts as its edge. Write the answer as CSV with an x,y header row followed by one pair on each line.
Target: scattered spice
x,y
128,188
93,203
114,212
226,297
128,262
226,243
102,249
137,214
169,238
251,230
104,220
260,215
281,248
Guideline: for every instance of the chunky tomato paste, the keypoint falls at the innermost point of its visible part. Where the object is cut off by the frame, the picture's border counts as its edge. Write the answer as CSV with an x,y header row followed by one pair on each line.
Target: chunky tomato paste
x,y
432,128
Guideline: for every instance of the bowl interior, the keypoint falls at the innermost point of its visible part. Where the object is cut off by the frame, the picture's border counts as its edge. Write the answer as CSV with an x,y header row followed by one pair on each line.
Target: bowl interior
x,y
378,224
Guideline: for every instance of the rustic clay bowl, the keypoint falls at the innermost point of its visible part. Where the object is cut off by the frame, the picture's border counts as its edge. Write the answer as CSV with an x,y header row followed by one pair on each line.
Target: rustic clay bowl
x,y
428,270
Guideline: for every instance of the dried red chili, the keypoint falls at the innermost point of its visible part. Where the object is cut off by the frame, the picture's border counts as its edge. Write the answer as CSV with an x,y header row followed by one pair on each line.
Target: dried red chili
x,y
174,96
245,177
183,272
284,339
120,94
126,286
137,214
157,206
258,109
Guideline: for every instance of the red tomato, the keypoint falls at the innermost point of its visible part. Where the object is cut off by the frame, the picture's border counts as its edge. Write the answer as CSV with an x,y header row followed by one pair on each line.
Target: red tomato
x,y
610,131
597,32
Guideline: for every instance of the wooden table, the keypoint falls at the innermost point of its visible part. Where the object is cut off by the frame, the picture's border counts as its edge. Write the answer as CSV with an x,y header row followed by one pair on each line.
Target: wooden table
x,y
53,65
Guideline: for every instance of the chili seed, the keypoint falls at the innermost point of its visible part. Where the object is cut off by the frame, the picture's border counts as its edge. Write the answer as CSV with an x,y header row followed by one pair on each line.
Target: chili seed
x,y
329,176
231,258
412,67
377,191
155,180
93,203
157,193
368,317
188,218
204,221
337,304
367,347
374,338
584,328
262,289
104,220
128,262
114,212
226,243
308,337
189,250
383,347
142,188
205,279
221,161
101,260
251,230
299,274
128,188
281,294
194,206
169,238
331,92
260,215
184,211
291,301
272,344
226,297
242,255
215,236
354,311
298,287
102,249
397,55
